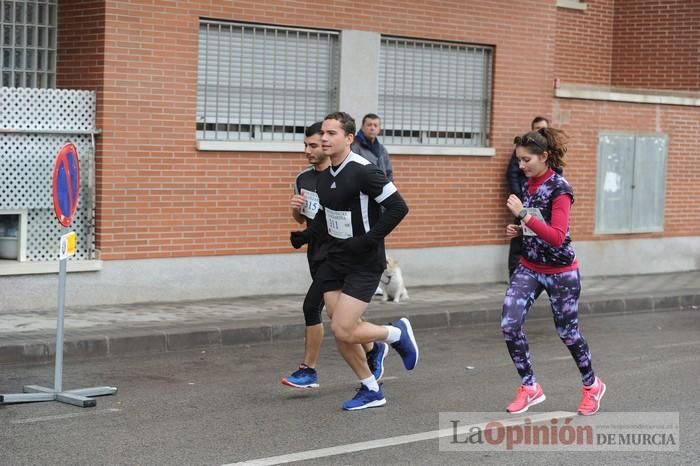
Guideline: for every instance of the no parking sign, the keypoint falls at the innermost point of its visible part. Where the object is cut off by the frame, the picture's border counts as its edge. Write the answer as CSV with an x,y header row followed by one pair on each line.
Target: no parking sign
x,y
66,191
66,184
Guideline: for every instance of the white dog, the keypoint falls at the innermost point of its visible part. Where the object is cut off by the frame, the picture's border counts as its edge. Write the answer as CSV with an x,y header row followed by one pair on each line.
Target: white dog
x,y
392,282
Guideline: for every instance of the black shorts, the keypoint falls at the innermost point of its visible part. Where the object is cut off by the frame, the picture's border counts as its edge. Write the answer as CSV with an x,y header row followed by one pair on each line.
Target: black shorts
x,y
360,284
314,266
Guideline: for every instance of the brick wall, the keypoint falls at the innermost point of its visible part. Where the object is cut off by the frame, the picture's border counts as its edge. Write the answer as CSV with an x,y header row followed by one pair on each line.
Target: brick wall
x,y
657,44
157,196
583,51
81,44
81,64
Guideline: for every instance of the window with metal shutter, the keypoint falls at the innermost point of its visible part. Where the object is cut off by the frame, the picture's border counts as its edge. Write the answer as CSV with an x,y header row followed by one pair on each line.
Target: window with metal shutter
x,y
264,83
434,93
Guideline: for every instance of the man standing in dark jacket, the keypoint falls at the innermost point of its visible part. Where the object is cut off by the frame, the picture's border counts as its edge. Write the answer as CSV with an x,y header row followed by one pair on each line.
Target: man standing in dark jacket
x,y
516,182
368,146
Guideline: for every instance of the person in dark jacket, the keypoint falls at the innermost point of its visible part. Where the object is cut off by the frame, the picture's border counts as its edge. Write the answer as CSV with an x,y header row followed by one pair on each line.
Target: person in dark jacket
x,y
516,181
368,146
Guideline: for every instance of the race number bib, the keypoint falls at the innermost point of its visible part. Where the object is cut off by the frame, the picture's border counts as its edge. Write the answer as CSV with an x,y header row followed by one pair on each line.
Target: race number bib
x,y
311,204
339,223
535,212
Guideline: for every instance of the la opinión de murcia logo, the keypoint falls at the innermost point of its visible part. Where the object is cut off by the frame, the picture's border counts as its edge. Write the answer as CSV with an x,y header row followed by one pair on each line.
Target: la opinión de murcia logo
x,y
605,432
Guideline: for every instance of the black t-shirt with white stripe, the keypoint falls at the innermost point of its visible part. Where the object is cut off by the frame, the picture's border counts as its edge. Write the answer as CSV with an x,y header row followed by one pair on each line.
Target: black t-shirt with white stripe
x,y
352,196
306,183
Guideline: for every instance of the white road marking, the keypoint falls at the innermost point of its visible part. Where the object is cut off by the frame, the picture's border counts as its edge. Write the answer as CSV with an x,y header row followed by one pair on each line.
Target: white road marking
x,y
59,417
399,440
673,345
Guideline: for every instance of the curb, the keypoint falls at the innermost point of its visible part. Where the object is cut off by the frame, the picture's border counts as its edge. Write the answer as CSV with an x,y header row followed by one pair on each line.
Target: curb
x,y
448,315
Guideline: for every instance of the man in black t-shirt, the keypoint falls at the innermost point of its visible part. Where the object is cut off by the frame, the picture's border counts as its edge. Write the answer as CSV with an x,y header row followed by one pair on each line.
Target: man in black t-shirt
x,y
305,206
350,193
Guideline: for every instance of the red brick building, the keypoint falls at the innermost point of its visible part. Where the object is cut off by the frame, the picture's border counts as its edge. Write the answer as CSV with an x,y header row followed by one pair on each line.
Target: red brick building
x,y
181,216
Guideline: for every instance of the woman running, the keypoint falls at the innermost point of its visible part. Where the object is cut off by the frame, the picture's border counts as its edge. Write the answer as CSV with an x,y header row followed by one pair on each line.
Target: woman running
x,y
548,263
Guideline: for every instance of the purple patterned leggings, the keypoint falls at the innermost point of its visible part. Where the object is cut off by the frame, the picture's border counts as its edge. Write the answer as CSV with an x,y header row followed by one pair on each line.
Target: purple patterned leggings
x,y
564,290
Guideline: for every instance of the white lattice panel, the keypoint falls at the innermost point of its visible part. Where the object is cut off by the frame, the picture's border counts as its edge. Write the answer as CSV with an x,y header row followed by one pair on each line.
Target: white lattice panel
x,y
33,109
34,124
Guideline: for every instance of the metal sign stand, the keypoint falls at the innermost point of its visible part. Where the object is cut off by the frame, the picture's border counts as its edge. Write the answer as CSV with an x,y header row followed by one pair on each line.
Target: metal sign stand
x,y
79,397
67,171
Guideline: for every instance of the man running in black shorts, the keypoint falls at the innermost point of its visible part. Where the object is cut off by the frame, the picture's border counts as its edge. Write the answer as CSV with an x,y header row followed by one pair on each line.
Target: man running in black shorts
x,y
351,194
305,206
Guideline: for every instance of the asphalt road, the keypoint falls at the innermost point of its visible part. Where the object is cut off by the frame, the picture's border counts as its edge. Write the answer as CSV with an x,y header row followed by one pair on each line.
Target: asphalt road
x,y
225,406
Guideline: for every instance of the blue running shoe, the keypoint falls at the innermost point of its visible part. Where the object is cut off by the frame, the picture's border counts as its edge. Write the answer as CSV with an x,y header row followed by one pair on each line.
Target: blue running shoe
x,y
406,346
365,398
304,377
375,359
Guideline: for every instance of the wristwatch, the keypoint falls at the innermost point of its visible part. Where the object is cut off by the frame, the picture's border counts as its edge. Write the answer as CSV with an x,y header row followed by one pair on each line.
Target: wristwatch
x,y
522,214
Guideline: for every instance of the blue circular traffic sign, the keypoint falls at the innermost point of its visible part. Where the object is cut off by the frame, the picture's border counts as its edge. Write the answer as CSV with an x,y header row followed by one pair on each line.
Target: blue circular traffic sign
x,y
66,184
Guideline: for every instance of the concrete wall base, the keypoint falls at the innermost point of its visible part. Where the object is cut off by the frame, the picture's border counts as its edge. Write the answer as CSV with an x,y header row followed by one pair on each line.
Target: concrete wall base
x,y
197,278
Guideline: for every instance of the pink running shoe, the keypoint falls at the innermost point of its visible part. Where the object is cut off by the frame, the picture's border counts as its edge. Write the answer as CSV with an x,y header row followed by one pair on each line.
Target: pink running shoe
x,y
590,398
526,396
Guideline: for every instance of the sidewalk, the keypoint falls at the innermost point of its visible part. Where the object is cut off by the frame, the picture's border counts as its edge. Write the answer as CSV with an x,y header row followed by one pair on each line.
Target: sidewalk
x,y
29,336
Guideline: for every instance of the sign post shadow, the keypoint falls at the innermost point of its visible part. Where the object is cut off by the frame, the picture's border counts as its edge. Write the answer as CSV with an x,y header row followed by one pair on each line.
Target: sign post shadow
x,y
66,190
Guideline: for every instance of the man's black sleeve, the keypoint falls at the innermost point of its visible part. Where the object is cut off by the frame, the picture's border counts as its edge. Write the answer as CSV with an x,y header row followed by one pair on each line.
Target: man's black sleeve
x,y
395,209
315,231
